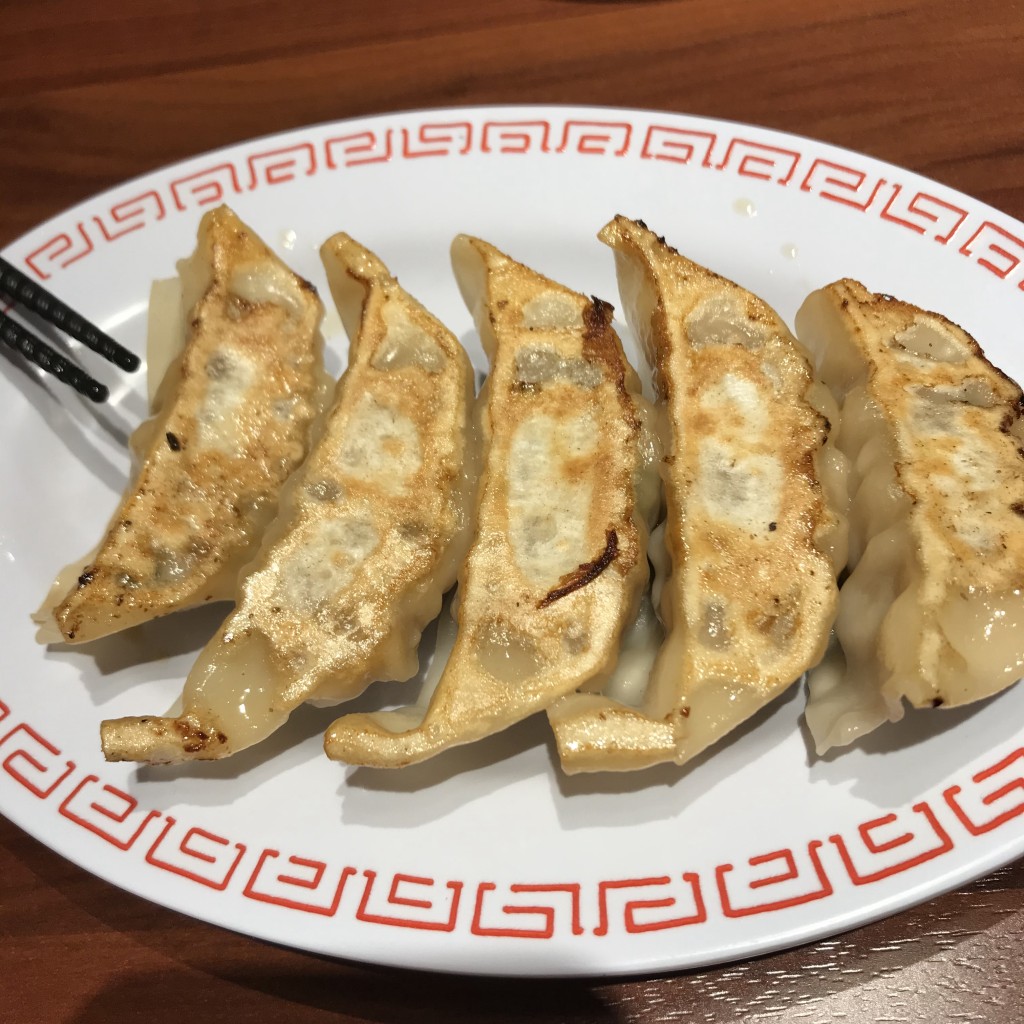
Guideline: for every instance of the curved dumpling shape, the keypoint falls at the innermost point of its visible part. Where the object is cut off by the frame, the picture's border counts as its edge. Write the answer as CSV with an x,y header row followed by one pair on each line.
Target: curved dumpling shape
x,y
231,419
558,562
932,611
371,532
747,590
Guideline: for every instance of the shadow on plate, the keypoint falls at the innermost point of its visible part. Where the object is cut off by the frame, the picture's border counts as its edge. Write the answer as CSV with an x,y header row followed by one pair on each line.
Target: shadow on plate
x,y
298,741
914,770
477,771
678,785
72,418
453,779
141,651
171,955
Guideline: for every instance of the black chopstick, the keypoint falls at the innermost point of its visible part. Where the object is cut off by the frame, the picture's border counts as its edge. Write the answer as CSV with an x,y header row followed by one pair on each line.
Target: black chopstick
x,y
39,353
19,289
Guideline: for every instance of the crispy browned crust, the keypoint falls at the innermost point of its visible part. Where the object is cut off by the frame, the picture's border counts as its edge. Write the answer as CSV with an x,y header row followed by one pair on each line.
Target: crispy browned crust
x,y
937,438
196,509
991,555
371,532
550,581
752,590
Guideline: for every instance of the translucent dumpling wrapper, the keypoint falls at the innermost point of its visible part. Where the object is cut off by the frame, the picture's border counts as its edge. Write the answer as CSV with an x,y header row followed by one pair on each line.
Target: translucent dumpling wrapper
x,y
746,576
558,562
932,612
236,380
371,532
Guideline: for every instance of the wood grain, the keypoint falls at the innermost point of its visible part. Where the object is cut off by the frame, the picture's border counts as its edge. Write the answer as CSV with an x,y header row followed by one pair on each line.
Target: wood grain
x,y
93,93
933,87
953,959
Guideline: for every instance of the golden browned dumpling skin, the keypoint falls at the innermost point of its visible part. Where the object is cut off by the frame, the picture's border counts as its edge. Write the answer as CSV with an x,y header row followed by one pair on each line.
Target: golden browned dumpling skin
x,y
933,609
558,562
748,591
231,420
371,533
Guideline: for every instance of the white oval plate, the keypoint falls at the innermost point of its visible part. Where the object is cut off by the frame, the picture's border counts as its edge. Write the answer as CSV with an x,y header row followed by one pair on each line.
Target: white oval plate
x,y
487,859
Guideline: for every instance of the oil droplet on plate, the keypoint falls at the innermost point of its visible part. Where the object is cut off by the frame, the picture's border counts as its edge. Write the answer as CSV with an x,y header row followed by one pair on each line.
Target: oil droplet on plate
x,y
790,251
288,239
745,208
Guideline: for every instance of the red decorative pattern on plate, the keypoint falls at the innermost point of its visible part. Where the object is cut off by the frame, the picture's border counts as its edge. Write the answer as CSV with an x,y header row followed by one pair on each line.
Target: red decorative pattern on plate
x,y
131,215
882,851
995,797
202,188
277,166
990,246
662,893
788,883
559,896
106,812
33,761
922,213
431,909
771,882
195,854
308,886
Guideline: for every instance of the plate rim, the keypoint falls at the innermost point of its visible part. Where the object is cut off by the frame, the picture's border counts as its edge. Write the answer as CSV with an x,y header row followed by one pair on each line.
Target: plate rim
x,y
796,935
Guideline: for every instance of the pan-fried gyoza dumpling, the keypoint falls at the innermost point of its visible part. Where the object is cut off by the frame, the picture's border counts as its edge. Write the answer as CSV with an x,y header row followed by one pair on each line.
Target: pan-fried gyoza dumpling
x,y
932,611
371,532
753,547
558,562
238,336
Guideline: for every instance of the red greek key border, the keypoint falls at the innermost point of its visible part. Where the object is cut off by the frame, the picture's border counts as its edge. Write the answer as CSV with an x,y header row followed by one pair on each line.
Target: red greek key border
x,y
996,248
770,881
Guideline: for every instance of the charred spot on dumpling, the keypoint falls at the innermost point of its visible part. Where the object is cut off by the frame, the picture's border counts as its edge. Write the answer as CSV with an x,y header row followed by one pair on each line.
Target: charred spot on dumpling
x,y
195,740
597,317
585,573
172,441
779,623
346,623
87,577
218,366
415,532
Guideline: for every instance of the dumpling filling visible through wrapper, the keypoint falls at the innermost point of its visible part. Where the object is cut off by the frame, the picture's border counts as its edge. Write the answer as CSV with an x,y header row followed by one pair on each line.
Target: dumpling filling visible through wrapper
x,y
558,562
753,545
236,380
372,529
932,611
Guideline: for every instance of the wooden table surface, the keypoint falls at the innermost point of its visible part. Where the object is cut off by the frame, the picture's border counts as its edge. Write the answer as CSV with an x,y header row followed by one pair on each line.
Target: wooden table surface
x,y
96,92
